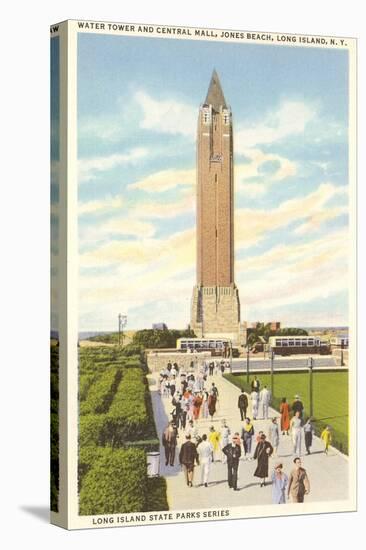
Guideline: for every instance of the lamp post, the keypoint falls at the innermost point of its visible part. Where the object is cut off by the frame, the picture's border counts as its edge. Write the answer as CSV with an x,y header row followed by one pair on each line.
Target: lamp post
x,y
122,322
231,356
311,366
272,373
342,358
248,364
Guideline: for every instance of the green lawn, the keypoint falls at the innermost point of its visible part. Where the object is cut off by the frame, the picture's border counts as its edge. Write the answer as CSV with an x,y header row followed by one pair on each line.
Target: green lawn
x,y
330,398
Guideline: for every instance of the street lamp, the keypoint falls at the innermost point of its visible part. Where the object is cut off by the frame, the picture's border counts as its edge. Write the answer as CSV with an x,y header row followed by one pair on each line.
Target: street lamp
x,y
311,366
248,364
122,322
272,373
231,356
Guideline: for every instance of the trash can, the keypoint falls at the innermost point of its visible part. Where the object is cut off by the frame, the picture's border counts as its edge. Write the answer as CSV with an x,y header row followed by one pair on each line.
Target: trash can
x,y
153,461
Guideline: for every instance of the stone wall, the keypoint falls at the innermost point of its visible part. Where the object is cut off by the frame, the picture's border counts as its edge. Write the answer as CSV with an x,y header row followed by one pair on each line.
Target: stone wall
x,y
158,360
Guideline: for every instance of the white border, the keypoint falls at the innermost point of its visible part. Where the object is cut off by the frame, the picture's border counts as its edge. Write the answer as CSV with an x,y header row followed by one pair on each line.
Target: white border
x,y
75,521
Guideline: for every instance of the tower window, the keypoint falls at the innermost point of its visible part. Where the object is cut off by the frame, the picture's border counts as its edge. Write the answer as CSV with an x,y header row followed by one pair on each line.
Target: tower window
x,y
215,178
206,116
226,117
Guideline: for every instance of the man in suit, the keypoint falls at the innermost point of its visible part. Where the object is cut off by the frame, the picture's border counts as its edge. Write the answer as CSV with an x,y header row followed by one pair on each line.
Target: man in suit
x,y
243,405
187,457
298,484
169,441
233,453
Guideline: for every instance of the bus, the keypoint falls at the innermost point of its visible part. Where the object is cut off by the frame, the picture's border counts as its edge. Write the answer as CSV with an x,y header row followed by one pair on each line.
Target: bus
x,y
288,345
217,346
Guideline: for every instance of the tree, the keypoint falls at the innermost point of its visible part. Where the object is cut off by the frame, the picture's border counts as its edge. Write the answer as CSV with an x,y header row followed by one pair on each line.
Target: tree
x,y
264,331
152,338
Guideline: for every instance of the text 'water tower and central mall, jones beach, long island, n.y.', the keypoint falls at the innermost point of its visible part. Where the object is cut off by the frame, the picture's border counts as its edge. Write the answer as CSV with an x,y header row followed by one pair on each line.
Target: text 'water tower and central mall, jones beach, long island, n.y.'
x,y
215,309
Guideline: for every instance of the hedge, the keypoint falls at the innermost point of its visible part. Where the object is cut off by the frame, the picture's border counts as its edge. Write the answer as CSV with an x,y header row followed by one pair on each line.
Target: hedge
x,y
101,394
156,495
88,456
92,430
128,417
54,427
85,382
116,483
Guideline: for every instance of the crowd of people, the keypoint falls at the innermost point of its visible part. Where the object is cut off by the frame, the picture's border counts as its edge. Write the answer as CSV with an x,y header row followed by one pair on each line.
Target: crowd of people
x,y
194,397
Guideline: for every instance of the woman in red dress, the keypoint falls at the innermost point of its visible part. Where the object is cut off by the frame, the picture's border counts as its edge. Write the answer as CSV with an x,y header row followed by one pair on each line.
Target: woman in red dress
x,y
285,416
197,402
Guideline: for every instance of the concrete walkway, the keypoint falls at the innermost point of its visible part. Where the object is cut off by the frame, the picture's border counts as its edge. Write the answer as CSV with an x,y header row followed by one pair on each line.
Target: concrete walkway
x,y
328,474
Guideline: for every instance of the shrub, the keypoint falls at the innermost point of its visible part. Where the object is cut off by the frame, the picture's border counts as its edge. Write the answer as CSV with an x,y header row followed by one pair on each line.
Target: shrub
x,y
85,382
92,430
132,349
116,483
101,394
88,457
128,417
156,495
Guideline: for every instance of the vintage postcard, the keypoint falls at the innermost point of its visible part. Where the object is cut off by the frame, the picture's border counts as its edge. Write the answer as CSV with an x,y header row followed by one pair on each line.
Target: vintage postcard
x,y
203,187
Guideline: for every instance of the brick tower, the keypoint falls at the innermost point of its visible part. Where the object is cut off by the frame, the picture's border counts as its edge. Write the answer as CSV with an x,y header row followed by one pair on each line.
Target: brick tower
x,y
215,310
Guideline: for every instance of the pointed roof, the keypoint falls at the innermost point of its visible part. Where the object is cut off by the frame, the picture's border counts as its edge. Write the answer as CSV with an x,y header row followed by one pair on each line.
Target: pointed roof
x,y
215,96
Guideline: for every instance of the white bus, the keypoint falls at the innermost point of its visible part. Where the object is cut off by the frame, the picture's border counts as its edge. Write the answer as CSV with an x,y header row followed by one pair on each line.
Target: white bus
x,y
286,345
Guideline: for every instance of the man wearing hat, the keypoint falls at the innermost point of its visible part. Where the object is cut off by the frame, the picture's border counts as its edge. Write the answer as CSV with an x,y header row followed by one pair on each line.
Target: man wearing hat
x,y
233,452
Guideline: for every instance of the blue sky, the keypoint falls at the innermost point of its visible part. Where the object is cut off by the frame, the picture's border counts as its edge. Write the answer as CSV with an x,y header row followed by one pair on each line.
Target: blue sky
x,y
138,101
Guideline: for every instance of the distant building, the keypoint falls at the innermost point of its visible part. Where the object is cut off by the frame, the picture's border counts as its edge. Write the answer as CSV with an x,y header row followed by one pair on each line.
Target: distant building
x,y
159,326
340,341
274,325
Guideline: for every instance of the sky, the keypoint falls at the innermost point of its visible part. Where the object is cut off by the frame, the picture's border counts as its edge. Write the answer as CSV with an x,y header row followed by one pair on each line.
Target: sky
x,y
138,101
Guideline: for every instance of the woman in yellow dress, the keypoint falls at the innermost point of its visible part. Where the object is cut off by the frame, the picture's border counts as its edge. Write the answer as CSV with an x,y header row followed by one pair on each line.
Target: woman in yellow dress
x,y
214,439
326,436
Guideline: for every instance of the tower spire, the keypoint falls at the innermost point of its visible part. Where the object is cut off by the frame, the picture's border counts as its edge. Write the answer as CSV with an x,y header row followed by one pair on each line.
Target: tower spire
x,y
215,96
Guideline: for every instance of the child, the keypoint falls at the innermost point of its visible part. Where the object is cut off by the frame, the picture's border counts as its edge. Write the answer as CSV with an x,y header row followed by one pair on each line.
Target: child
x,y
326,436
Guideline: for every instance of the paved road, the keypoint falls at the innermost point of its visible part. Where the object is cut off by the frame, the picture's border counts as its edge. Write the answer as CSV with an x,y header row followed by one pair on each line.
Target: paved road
x,y
328,474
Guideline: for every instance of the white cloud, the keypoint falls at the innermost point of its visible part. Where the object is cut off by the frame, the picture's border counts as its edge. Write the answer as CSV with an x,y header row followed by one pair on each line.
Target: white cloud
x,y
164,180
167,116
90,167
245,172
252,225
100,206
289,119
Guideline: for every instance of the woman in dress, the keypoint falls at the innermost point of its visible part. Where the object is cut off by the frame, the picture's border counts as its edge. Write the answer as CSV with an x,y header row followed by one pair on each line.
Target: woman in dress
x,y
308,432
204,406
247,433
279,484
285,416
262,453
214,439
197,402
274,435
212,404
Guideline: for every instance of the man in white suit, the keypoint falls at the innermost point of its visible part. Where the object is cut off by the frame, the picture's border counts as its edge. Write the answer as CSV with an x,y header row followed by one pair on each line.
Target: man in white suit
x,y
265,399
205,451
